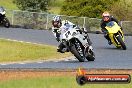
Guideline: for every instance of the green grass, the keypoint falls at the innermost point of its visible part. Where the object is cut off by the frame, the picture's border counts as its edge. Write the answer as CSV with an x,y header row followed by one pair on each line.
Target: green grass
x,y
16,51
8,4
55,82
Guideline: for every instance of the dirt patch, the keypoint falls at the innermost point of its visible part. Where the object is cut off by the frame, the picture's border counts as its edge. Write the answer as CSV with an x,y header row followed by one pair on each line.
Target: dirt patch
x,y
25,74
30,74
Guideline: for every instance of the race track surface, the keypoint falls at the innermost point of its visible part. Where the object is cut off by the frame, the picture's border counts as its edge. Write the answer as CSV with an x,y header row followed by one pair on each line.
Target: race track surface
x,y
106,56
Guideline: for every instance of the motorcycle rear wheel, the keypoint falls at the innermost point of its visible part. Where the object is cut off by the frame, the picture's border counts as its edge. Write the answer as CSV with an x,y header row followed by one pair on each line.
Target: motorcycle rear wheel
x,y
6,23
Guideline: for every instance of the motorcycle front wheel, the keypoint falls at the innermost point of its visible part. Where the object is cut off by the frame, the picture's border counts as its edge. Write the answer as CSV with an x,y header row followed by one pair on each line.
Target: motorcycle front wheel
x,y
121,42
76,53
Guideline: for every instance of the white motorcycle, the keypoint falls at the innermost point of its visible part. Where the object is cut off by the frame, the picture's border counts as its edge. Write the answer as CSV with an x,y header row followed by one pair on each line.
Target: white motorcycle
x,y
3,19
74,41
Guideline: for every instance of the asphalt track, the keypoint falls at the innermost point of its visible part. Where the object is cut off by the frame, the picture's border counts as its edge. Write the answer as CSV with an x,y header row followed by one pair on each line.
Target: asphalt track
x,y
107,57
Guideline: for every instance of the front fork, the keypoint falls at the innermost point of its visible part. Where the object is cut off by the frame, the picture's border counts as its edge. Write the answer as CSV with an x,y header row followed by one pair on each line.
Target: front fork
x,y
87,38
116,35
88,50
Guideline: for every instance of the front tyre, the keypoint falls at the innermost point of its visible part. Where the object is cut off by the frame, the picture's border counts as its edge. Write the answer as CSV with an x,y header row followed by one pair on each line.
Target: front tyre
x,y
121,42
6,23
76,53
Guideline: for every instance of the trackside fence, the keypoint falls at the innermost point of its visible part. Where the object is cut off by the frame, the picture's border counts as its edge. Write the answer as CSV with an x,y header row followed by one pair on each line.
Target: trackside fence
x,y
34,20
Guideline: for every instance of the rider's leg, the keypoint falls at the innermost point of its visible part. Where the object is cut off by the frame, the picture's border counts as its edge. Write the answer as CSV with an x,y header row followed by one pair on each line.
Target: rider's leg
x,y
107,37
57,36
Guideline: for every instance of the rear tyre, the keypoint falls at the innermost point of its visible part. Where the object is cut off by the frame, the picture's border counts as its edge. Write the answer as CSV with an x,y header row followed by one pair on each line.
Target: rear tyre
x,y
121,42
76,54
6,23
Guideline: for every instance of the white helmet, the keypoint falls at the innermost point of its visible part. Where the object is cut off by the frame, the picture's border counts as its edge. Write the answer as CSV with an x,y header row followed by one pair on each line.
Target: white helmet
x,y
56,22
56,18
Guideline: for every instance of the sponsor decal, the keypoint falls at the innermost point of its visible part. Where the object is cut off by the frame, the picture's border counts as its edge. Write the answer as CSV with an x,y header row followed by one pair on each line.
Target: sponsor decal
x,y
83,78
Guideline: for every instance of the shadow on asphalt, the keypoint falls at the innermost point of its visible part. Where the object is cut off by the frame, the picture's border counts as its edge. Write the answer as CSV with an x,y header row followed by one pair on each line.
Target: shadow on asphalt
x,y
107,48
76,61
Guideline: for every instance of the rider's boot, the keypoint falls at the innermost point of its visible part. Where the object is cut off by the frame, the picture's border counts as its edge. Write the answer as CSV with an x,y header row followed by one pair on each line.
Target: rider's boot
x,y
109,42
61,48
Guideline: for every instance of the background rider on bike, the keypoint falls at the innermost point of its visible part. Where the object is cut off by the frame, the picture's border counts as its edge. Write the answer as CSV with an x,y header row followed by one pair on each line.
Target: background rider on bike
x,y
106,17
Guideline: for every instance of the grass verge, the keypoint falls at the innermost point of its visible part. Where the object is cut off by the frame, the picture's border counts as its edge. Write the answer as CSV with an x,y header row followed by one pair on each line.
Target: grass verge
x,y
53,79
11,51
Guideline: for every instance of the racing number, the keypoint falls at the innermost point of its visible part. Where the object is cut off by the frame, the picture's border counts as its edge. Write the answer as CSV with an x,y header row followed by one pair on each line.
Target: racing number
x,y
68,33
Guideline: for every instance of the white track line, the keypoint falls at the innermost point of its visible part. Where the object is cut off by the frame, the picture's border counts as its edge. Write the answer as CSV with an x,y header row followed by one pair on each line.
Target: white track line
x,y
22,41
3,64
21,63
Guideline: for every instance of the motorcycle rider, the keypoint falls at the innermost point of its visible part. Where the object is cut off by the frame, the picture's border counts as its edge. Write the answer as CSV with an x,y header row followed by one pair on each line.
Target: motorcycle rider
x,y
3,19
1,10
63,26
56,23
106,17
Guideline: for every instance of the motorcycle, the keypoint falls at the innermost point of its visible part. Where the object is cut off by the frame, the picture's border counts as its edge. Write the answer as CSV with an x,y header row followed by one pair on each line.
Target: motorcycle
x,y
73,40
115,34
3,20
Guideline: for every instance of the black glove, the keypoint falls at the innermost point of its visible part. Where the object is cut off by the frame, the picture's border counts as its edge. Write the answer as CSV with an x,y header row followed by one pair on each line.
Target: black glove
x,y
104,31
121,28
